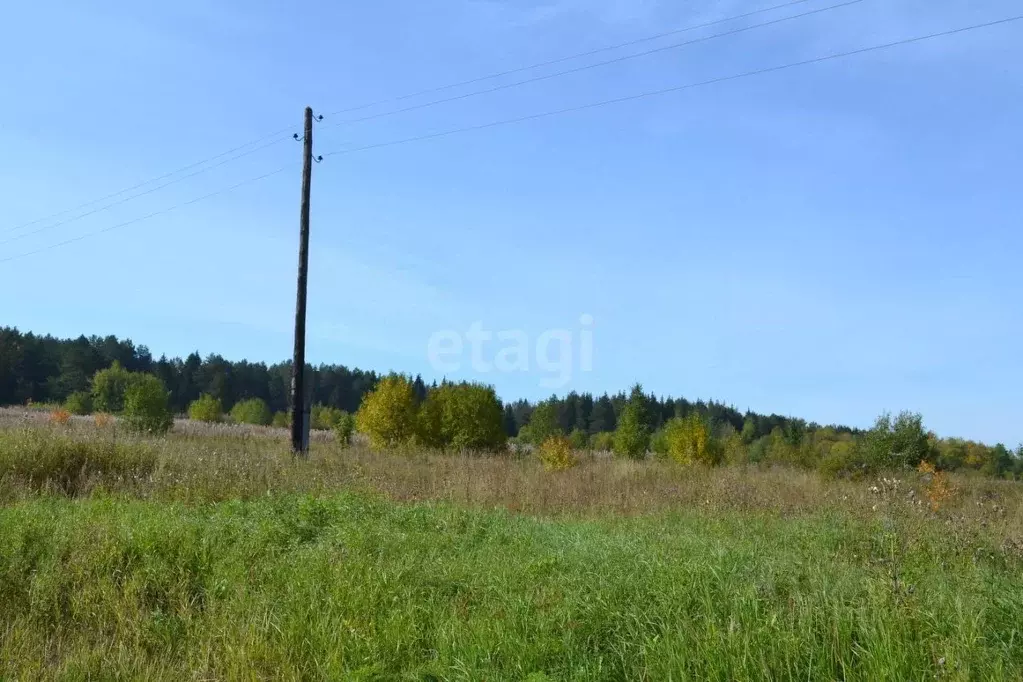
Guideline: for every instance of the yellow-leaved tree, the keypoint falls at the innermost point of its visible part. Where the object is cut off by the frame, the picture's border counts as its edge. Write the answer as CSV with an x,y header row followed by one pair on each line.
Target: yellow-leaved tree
x,y
388,413
689,441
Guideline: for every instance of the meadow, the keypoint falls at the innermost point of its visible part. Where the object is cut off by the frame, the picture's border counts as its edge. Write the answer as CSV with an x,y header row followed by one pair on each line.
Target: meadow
x,y
212,553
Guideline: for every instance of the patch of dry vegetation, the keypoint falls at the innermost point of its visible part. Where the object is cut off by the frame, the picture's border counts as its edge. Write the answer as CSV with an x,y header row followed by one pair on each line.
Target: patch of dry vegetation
x,y
200,462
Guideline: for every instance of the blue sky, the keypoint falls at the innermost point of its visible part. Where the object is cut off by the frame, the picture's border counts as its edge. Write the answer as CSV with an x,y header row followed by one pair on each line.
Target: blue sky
x,y
829,241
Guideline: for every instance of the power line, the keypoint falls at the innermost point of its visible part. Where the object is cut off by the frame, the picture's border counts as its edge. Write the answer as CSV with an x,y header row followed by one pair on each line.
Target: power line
x,y
136,196
408,96
592,105
147,217
587,67
561,60
157,179
677,88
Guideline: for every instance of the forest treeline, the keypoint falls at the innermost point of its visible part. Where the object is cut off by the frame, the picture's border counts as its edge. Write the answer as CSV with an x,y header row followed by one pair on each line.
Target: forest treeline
x,y
44,369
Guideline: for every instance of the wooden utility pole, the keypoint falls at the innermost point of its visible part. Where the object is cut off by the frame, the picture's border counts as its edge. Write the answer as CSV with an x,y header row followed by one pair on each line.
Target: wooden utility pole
x,y
299,406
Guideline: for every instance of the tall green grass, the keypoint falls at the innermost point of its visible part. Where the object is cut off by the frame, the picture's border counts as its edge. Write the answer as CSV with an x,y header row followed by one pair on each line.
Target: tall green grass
x,y
347,586
58,460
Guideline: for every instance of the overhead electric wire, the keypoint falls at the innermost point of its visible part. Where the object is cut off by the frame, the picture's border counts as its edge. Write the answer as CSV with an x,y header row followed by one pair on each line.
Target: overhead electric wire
x,y
157,179
676,88
151,215
582,107
568,58
399,98
587,67
135,196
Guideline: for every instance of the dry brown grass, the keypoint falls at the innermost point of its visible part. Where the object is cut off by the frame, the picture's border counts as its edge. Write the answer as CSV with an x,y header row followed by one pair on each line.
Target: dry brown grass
x,y
214,462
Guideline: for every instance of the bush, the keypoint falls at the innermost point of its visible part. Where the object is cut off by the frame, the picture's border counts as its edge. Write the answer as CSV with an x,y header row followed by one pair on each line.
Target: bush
x,y
734,450
464,416
659,443
578,439
109,387
430,420
631,437
757,451
146,406
556,454
602,441
344,428
42,459
471,417
901,443
689,441
206,409
388,413
78,402
542,424
251,411
325,417
280,420
844,460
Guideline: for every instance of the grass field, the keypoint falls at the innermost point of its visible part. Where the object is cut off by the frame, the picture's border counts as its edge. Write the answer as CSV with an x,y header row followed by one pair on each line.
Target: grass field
x,y
211,554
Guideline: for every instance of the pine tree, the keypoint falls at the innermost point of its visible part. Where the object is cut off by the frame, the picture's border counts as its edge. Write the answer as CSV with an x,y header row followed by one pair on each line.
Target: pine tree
x,y
602,419
419,388
511,426
567,411
583,411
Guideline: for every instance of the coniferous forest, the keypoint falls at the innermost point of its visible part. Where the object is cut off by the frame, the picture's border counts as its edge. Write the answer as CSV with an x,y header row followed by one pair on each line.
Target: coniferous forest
x,y
44,369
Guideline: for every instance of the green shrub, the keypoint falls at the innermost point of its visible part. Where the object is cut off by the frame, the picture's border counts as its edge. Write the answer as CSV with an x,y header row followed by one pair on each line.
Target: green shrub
x,y
631,437
543,423
146,406
578,439
659,443
344,428
525,436
734,450
109,387
602,441
430,420
464,416
325,417
79,402
899,443
758,449
844,460
251,411
206,409
280,420
471,417
42,459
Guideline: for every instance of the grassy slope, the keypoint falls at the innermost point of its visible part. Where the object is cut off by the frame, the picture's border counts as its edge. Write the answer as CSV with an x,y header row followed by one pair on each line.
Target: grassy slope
x,y
353,587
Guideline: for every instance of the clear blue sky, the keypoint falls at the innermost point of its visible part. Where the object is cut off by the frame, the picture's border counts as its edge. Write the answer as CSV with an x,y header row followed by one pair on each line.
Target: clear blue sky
x,y
829,241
